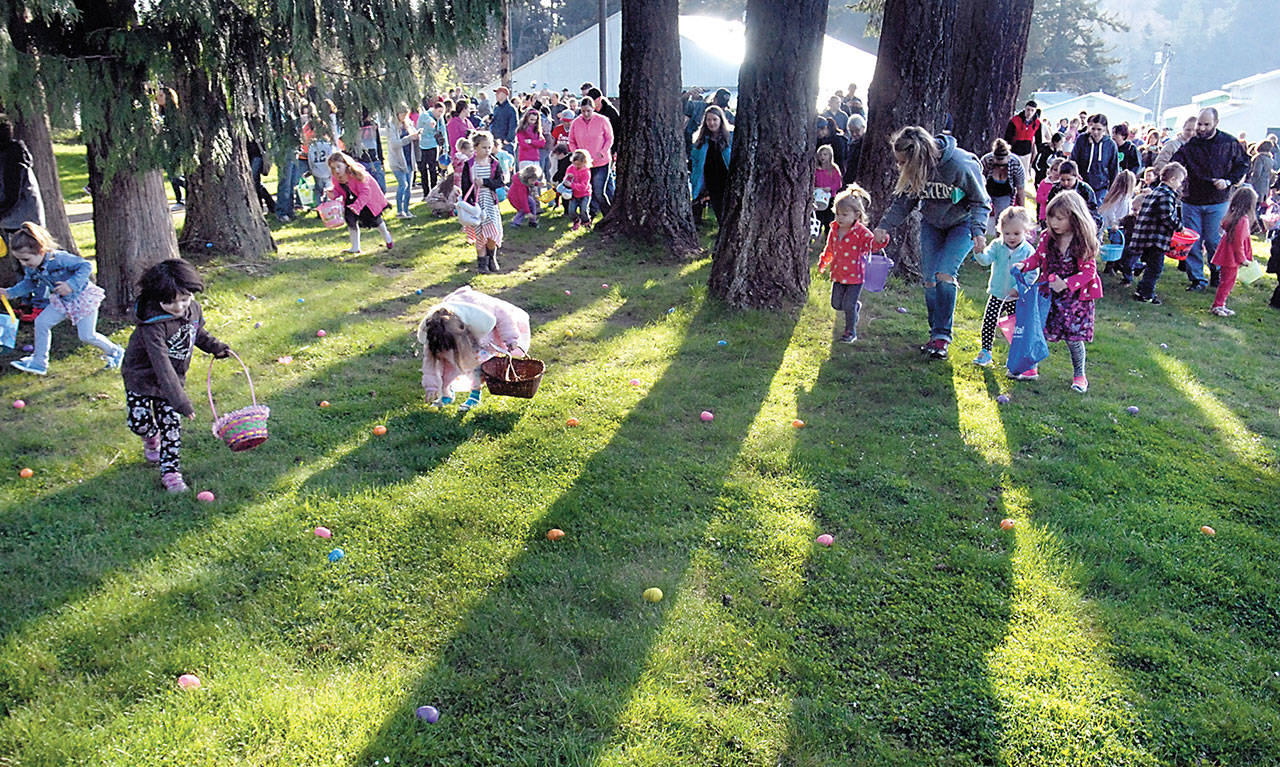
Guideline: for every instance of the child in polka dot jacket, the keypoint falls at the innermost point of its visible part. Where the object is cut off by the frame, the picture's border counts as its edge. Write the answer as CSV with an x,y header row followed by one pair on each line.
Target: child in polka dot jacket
x,y
845,257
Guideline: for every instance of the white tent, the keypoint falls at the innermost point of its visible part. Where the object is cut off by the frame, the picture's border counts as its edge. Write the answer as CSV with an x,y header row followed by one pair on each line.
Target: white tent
x,y
711,51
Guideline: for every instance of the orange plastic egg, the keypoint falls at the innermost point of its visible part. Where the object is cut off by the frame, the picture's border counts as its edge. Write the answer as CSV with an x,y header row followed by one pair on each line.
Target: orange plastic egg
x,y
555,534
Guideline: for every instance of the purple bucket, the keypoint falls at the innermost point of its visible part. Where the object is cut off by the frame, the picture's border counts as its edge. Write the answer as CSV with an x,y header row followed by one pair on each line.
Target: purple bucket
x,y
877,271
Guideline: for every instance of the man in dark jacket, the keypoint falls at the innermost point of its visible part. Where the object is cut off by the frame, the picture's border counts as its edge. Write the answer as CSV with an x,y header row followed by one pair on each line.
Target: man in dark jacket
x,y
503,126
1215,162
19,193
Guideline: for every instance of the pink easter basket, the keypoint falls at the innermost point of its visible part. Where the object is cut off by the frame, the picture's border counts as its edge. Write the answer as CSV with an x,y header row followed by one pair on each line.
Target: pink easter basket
x,y
331,213
242,429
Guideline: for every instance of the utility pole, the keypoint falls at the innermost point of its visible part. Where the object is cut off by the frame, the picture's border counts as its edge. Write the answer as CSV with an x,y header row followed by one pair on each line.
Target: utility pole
x,y
504,52
1162,59
604,46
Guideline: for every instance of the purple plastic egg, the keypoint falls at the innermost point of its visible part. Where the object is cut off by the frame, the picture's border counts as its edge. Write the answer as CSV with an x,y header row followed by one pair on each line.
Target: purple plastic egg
x,y
428,714
1003,399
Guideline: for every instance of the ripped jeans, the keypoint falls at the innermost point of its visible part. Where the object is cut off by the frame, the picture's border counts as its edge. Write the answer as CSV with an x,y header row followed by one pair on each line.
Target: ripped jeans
x,y
941,253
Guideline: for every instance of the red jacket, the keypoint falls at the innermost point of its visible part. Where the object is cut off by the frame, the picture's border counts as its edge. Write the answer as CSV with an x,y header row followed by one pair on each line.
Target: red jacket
x,y
579,180
1235,247
846,253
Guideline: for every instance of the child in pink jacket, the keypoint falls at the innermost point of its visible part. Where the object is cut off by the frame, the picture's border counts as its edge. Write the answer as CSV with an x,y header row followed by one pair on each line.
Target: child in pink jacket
x,y
578,179
362,198
1234,249
459,334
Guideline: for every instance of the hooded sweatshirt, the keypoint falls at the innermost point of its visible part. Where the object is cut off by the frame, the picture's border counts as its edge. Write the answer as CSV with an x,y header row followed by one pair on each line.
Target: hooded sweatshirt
x,y
954,195
1099,161
159,353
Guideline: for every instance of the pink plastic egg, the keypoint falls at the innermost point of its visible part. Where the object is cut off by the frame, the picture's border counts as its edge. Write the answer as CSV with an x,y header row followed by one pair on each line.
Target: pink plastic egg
x,y
189,682
321,334
707,415
19,404
323,532
826,540
204,496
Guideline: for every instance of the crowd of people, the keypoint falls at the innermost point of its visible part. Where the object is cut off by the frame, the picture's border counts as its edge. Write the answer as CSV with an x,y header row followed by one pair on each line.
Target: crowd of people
x,y
1095,187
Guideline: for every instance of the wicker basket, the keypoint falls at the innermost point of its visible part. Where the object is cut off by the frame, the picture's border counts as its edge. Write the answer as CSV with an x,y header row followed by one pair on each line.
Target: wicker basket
x,y
512,376
242,429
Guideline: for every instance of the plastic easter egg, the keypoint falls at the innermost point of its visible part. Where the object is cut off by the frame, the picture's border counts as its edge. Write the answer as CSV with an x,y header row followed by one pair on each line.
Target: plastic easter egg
x,y
555,534
302,300
323,532
653,594
1164,346
418,292
336,554
902,310
722,342
379,430
321,334
635,381
568,334
1006,524
285,360
672,310
204,496
28,348
26,473
324,403
189,682
568,292
825,539
605,286
1003,399
571,422
1208,530
208,244
428,714
19,404
798,423
257,325
707,415
1132,409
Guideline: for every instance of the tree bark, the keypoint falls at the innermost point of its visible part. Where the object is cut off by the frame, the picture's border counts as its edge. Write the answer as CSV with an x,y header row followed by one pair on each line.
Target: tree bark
x,y
32,126
652,202
504,60
910,87
223,212
762,254
986,73
131,227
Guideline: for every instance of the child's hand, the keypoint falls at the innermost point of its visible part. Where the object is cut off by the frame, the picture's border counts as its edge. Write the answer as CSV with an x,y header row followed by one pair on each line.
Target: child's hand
x,y
191,416
1058,285
62,288
879,238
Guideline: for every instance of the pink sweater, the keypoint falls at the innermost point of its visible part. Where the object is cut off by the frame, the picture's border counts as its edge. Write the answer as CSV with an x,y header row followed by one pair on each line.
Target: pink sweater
x,y
828,179
1235,247
595,136
368,195
579,180
510,329
528,143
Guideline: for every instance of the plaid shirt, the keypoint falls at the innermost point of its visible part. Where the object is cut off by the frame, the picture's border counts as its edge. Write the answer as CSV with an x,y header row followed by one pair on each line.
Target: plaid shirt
x,y
1159,217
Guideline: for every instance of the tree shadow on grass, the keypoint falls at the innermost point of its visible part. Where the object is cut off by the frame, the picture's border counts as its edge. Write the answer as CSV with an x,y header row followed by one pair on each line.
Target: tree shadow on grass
x,y
895,622
1191,619
544,662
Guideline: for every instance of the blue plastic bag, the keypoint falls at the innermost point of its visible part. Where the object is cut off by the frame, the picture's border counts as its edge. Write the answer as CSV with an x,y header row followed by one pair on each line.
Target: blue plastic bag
x,y
1028,346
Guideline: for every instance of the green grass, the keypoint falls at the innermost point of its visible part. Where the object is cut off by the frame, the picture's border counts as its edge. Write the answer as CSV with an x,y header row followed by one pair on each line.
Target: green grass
x,y
1105,629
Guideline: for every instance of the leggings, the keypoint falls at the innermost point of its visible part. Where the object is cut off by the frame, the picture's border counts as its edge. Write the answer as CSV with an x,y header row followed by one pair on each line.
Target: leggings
x,y
844,298
996,308
1226,281
151,417
1077,357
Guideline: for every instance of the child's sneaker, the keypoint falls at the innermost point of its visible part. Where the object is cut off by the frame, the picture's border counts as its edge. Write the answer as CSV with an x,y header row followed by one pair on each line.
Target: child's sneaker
x,y
983,360
1222,311
937,348
115,358
1080,384
173,482
1028,375
151,448
26,366
518,220
472,401
848,338
533,223
390,244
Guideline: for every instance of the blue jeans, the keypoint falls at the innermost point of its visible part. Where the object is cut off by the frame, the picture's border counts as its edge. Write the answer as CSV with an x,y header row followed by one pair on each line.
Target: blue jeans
x,y
404,188
1206,221
579,209
87,328
600,191
941,252
375,170
290,175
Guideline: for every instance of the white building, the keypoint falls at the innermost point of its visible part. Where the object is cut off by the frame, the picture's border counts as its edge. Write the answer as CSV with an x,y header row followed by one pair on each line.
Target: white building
x,y
1250,106
1054,105
711,52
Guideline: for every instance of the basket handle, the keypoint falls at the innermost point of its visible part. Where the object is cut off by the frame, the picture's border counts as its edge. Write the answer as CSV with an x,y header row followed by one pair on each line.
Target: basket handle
x,y
208,382
7,307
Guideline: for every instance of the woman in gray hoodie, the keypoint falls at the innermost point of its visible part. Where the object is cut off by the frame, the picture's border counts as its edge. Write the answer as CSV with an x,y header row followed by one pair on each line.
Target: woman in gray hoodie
x,y
945,183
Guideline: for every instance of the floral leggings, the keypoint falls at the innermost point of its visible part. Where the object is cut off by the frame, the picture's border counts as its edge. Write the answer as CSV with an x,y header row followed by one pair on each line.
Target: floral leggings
x,y
154,418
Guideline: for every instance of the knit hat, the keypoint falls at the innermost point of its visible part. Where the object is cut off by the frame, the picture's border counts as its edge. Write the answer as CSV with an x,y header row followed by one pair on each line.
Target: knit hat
x,y
566,115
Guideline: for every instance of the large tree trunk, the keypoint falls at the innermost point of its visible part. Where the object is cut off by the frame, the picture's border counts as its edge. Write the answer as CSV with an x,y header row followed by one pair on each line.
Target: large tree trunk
x,y
652,203
131,227
223,211
986,73
762,255
32,126
910,87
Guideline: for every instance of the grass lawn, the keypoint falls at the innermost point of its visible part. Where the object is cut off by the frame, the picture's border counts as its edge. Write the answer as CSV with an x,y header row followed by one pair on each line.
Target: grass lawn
x,y
1103,629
